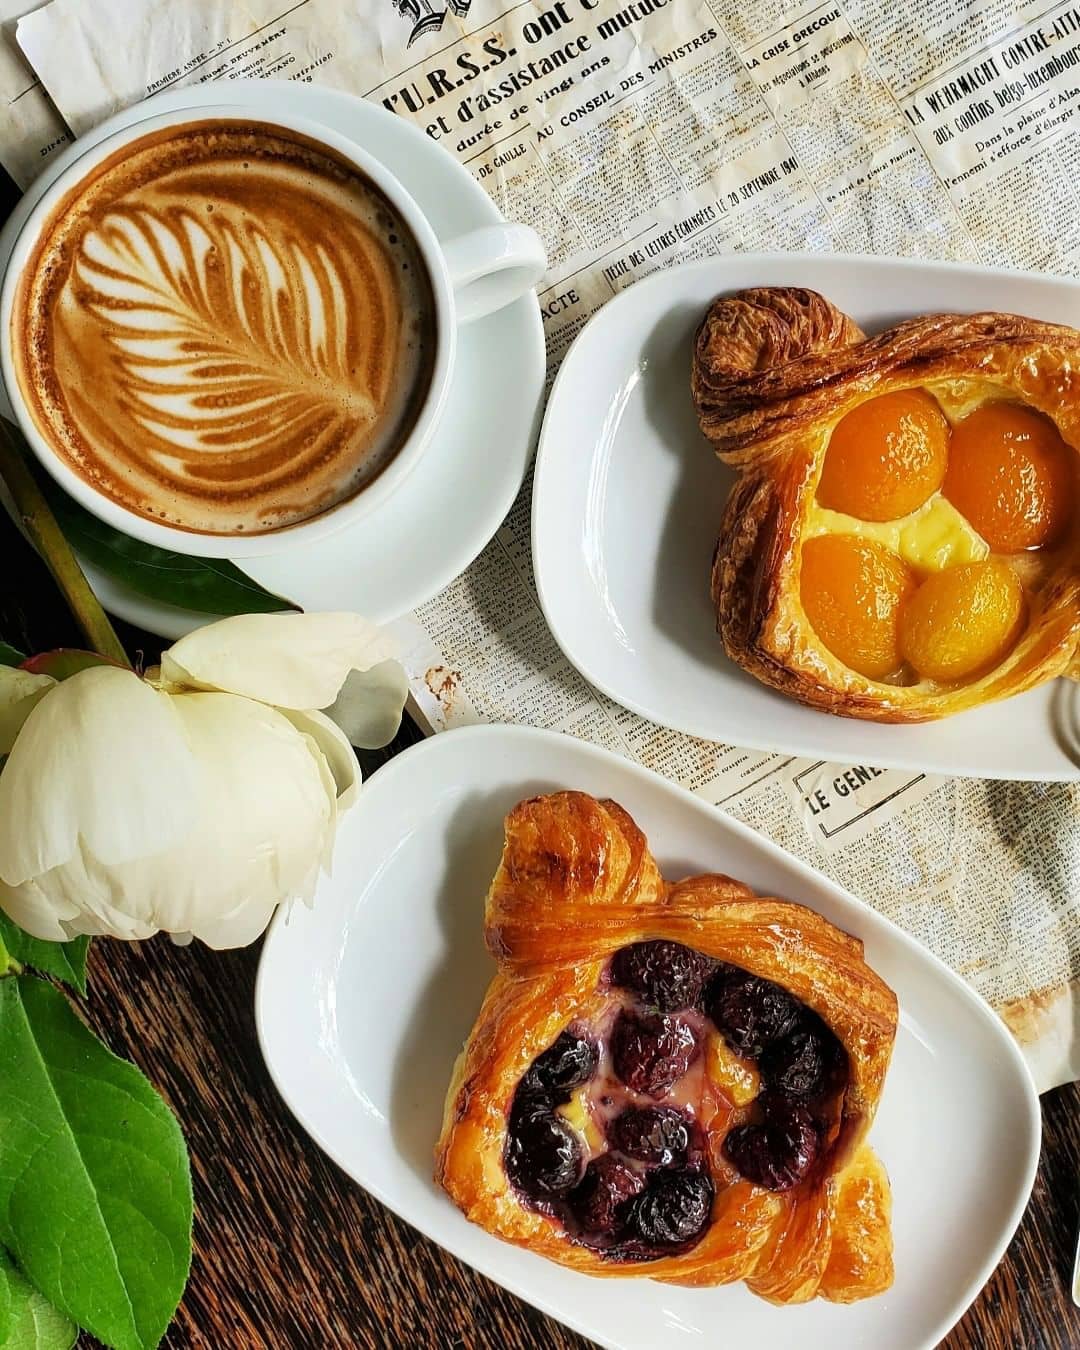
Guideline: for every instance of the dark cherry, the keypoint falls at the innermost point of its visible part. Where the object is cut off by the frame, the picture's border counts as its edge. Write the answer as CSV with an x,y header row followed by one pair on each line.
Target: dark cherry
x,y
778,1153
651,1051
673,1209
652,1134
570,1061
807,1063
750,1012
543,1155
666,975
599,1203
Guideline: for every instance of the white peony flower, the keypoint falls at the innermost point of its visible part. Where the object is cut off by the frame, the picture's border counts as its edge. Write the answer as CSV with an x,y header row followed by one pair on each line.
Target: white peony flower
x,y
199,798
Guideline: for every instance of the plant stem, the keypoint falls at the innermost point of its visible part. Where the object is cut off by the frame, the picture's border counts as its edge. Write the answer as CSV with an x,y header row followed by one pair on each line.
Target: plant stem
x,y
8,964
45,534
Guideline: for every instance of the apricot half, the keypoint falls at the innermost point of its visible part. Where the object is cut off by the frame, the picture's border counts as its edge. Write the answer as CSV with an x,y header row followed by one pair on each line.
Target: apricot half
x,y
1012,475
964,620
852,593
885,457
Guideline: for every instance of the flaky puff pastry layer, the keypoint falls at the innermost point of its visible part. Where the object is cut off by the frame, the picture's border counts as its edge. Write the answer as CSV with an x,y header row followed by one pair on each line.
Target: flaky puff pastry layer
x,y
576,882
774,370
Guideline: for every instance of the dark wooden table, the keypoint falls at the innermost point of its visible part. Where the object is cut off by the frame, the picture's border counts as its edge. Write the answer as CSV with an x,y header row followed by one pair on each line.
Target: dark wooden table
x,y
292,1255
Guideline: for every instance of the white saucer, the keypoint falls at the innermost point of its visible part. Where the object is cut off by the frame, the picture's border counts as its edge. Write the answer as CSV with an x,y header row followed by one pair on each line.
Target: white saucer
x,y
445,512
394,970
627,502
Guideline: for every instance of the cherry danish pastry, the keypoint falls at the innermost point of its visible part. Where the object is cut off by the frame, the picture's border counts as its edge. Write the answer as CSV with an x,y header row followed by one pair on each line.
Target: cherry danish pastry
x,y
671,1080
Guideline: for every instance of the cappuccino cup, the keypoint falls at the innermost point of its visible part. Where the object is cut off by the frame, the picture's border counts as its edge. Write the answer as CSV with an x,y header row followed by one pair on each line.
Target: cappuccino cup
x,y
227,335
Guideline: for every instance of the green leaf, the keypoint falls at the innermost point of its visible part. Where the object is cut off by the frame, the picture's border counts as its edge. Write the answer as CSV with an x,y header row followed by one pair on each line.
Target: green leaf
x,y
6,1295
64,961
209,585
95,1186
28,1321
10,656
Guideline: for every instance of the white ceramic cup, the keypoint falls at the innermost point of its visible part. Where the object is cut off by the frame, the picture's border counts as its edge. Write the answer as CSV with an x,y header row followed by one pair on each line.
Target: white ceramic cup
x,y
471,276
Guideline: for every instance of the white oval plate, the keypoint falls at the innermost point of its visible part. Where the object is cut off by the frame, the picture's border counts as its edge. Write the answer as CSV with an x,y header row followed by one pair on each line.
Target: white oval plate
x,y
364,1001
627,503
447,510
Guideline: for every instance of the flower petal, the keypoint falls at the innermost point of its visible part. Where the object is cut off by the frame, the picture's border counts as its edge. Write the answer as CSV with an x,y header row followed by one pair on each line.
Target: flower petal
x,y
368,708
333,744
39,911
267,810
104,764
267,813
20,691
289,660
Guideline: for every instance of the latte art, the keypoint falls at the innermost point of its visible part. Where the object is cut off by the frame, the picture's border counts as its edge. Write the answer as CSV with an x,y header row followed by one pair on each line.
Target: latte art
x,y
270,333
228,328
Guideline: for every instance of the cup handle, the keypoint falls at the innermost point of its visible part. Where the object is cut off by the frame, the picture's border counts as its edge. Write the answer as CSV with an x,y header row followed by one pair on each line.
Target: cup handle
x,y
493,266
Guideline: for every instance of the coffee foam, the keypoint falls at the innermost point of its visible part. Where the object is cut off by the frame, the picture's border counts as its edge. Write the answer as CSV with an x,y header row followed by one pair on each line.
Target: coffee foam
x,y
227,328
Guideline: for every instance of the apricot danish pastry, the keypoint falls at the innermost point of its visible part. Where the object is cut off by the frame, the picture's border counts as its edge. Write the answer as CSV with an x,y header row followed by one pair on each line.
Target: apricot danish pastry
x,y
671,1080
903,540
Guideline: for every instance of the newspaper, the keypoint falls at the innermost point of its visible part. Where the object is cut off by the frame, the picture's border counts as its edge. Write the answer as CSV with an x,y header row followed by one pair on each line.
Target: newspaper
x,y
633,135
32,127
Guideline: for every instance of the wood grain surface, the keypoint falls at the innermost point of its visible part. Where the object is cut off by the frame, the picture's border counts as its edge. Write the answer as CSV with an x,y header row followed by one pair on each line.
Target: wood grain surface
x,y
292,1255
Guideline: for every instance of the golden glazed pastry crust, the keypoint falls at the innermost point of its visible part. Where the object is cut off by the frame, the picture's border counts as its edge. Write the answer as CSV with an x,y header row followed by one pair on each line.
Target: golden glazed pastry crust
x,y
576,883
774,370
